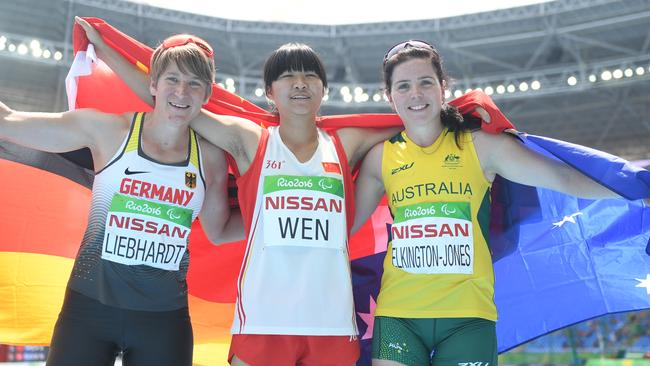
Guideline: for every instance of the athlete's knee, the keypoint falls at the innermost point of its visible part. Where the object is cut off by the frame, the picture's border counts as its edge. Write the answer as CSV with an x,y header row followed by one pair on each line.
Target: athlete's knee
x,y
237,362
378,362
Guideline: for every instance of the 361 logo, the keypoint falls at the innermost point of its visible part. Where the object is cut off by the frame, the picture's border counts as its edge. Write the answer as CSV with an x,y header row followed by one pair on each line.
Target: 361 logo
x,y
274,164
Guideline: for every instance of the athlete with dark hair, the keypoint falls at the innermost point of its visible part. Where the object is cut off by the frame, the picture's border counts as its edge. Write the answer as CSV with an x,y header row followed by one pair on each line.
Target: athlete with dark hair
x,y
436,301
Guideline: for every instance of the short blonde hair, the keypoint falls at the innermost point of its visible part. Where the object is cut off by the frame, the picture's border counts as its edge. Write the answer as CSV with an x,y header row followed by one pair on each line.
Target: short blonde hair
x,y
189,58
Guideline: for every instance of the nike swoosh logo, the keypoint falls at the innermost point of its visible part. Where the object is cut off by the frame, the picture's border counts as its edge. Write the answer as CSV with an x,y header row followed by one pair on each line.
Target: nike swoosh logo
x,y
130,172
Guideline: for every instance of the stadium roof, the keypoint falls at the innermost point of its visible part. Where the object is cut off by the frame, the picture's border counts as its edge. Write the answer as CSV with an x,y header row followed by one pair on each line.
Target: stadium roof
x,y
578,70
356,12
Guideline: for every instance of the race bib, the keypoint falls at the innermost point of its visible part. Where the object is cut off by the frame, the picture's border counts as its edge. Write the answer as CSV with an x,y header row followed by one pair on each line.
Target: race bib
x,y
304,211
433,238
141,232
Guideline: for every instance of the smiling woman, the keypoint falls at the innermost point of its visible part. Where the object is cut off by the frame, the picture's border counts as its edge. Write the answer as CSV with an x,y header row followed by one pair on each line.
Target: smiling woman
x,y
133,258
296,92
438,174
182,70
295,81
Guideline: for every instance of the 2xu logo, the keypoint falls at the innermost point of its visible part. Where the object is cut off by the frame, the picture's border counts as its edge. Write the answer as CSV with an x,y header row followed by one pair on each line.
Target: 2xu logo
x,y
401,168
479,363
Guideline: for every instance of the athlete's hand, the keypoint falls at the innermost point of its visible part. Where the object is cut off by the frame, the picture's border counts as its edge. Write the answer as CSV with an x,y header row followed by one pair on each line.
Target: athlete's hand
x,y
484,114
93,35
4,110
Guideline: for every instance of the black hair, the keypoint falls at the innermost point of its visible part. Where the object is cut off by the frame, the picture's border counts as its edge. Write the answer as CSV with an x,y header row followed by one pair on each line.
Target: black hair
x,y
292,57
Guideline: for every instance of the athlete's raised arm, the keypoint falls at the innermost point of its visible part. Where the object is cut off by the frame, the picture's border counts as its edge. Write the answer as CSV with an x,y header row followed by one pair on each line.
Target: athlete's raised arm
x,y
502,154
237,136
135,78
67,131
357,141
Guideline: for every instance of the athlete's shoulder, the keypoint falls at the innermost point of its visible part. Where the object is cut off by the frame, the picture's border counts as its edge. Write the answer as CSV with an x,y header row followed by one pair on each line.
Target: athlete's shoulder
x,y
492,140
211,154
374,157
111,121
107,125
397,138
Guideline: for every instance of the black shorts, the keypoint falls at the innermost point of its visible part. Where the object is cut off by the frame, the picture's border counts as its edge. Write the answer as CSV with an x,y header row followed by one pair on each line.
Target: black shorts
x,y
91,333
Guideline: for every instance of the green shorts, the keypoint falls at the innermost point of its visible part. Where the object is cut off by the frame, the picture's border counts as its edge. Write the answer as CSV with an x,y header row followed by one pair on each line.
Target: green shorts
x,y
439,342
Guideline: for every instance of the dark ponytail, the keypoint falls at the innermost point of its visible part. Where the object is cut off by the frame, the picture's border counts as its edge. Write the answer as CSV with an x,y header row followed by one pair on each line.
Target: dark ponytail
x,y
457,123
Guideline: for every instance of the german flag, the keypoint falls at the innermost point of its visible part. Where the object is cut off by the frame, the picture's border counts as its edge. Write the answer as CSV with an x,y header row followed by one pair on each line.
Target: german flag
x,y
45,200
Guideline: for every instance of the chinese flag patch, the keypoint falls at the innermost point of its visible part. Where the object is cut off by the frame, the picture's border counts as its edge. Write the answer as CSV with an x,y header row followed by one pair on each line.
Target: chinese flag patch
x,y
332,168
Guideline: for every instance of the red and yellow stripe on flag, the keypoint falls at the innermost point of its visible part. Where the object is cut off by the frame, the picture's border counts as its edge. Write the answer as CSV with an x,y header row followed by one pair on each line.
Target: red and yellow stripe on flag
x,y
43,217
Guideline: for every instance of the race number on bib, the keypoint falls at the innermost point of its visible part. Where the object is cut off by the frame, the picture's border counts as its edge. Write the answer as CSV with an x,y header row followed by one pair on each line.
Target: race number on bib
x,y
433,238
141,232
304,211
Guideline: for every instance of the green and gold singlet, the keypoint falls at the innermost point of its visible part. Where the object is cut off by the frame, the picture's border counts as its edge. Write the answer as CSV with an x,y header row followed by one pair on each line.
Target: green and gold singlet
x,y
438,264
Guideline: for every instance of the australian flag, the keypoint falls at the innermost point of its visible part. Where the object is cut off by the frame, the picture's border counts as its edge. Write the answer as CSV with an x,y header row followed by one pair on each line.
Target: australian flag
x,y
559,260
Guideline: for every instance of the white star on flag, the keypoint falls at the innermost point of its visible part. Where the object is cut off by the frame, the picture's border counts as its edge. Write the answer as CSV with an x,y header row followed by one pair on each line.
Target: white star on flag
x,y
369,319
566,219
644,283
